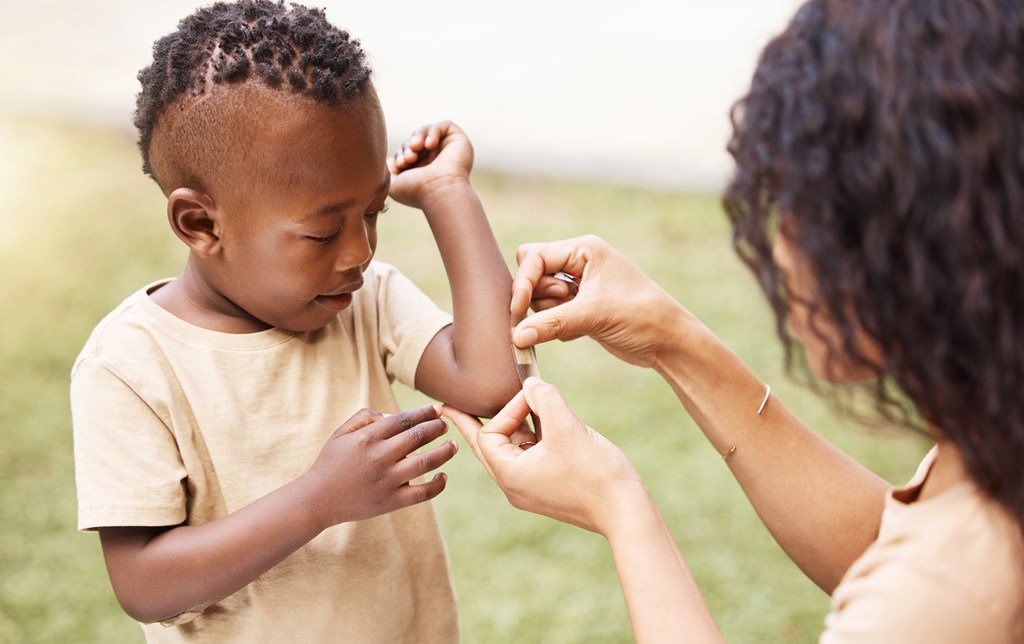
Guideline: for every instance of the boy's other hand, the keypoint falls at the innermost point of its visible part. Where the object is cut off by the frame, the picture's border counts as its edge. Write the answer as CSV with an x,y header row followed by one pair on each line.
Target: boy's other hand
x,y
432,160
366,467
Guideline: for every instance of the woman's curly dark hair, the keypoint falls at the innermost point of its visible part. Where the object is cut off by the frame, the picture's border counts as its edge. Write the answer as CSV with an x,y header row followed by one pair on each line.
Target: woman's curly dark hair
x,y
891,134
294,49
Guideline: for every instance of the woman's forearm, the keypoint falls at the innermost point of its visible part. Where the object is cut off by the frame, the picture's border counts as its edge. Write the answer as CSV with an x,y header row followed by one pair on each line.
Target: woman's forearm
x,y
663,600
822,507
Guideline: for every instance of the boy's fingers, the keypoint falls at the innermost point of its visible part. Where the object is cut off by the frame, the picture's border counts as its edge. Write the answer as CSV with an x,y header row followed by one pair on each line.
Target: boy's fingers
x,y
407,442
433,136
420,492
360,419
418,464
404,420
415,139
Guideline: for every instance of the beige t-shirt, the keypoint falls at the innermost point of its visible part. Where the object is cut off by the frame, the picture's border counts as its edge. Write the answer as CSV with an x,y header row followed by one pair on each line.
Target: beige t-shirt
x,y
944,569
177,424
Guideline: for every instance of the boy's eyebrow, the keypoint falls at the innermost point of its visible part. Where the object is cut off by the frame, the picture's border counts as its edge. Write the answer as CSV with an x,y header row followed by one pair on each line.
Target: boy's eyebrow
x,y
340,206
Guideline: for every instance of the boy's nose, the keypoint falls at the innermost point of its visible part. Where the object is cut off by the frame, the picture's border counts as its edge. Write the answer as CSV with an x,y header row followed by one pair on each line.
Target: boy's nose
x,y
355,249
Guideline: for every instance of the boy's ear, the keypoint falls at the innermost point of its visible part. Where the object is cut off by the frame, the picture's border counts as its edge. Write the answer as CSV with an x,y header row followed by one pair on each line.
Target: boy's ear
x,y
195,219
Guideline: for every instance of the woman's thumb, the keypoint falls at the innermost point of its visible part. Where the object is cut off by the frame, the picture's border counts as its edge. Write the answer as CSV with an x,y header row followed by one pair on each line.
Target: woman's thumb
x,y
547,401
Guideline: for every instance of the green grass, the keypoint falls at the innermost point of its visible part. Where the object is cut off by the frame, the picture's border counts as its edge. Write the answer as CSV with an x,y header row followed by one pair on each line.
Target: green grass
x,y
80,228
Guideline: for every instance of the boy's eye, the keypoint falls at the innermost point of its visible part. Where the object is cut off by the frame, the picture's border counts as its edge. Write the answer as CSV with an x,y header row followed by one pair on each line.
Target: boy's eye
x,y
373,215
370,216
324,240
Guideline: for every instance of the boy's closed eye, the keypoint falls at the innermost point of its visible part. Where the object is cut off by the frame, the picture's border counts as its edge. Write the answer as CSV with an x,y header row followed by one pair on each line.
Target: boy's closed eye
x,y
326,239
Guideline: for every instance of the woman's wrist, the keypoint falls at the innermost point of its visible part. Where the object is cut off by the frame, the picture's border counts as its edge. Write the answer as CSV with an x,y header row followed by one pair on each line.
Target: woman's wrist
x,y
627,509
682,338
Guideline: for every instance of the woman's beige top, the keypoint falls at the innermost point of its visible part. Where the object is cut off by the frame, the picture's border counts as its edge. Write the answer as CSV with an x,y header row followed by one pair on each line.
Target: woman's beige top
x,y
948,568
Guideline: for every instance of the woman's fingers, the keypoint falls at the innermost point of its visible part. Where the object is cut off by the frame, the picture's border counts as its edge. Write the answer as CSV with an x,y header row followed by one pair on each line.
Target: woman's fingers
x,y
498,440
469,426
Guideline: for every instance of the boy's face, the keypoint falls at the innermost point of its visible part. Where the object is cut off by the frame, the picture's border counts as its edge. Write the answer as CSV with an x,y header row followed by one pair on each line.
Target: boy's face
x,y
298,213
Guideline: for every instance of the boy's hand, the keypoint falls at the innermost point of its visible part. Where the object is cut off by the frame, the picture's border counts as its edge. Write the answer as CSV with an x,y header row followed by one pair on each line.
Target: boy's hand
x,y
432,160
365,468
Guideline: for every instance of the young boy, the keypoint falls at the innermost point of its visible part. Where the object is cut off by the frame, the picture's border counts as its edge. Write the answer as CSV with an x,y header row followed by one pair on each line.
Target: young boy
x,y
230,504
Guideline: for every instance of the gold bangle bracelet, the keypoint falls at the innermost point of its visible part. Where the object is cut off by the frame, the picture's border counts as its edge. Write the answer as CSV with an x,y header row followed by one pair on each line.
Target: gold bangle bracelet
x,y
767,394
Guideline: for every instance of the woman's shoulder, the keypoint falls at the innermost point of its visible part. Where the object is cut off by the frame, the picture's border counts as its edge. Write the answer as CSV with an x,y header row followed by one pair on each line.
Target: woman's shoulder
x,y
944,568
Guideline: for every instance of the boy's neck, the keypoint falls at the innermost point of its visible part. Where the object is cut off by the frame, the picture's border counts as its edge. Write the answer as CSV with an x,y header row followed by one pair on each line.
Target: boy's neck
x,y
187,297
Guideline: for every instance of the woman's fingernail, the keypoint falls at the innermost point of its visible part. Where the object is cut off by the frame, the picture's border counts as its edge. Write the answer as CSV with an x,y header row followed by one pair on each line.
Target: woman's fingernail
x,y
526,337
520,298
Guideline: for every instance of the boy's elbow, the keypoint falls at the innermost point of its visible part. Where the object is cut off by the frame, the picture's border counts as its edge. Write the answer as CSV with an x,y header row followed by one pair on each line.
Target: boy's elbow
x,y
493,395
141,610
147,608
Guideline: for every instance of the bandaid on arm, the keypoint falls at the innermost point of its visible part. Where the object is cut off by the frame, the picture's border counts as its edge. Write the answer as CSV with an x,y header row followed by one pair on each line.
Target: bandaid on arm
x,y
526,359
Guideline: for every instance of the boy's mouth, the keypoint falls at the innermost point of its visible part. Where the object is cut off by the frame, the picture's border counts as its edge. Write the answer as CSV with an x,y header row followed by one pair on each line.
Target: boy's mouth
x,y
339,299
334,302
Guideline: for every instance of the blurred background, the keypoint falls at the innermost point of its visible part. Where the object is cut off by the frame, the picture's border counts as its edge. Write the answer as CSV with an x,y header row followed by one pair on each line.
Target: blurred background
x,y
586,117
637,92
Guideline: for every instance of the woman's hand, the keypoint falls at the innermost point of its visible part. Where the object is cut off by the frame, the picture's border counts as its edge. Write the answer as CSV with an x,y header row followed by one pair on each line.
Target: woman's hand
x,y
574,474
615,302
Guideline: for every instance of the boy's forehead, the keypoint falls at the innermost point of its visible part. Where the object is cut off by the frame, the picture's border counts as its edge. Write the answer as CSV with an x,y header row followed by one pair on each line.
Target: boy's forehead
x,y
237,132
263,110
301,142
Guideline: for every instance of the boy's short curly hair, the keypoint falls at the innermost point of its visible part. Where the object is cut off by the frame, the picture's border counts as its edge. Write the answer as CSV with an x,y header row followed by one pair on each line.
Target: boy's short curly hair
x,y
293,49
887,138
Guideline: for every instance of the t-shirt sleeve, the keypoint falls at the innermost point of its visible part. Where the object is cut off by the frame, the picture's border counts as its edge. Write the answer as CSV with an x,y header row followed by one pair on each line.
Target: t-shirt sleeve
x,y
128,470
907,601
408,321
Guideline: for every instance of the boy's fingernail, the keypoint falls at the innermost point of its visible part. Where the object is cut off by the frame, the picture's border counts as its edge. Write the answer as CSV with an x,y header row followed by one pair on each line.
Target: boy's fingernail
x,y
532,381
437,408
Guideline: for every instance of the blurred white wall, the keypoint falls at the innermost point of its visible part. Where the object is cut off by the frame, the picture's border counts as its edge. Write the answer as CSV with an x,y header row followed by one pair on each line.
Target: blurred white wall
x,y
634,92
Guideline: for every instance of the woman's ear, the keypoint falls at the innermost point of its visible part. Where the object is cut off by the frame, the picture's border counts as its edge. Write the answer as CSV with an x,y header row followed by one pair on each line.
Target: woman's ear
x,y
195,219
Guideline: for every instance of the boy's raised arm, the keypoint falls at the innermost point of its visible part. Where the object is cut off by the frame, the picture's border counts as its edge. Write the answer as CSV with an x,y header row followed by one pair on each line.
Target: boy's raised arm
x,y
468,364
